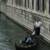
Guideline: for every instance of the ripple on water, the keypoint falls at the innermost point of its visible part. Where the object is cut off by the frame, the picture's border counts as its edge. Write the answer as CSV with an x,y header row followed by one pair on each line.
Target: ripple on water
x,y
4,42
4,46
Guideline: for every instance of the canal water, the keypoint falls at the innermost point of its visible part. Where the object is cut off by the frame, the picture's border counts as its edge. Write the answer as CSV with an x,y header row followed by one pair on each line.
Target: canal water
x,y
11,32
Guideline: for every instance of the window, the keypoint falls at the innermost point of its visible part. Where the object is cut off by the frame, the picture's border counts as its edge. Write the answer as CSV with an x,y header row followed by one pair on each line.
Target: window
x,y
49,6
49,27
28,3
25,3
20,2
43,5
4,1
32,4
37,5
17,2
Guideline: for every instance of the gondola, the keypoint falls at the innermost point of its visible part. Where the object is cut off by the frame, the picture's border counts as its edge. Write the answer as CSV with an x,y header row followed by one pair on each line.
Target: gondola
x,y
25,46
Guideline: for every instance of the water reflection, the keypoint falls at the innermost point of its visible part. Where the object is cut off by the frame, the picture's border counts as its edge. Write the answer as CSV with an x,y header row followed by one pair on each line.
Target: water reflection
x,y
5,43
9,33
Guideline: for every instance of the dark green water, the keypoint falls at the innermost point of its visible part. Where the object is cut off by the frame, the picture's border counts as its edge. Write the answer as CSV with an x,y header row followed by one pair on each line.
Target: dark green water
x,y
11,32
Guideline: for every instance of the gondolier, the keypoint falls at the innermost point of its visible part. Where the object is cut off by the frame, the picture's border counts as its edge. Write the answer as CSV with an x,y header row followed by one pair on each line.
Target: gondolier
x,y
37,26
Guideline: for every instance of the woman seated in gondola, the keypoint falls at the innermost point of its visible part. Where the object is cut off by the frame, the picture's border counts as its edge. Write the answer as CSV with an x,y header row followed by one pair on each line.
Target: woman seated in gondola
x,y
28,39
